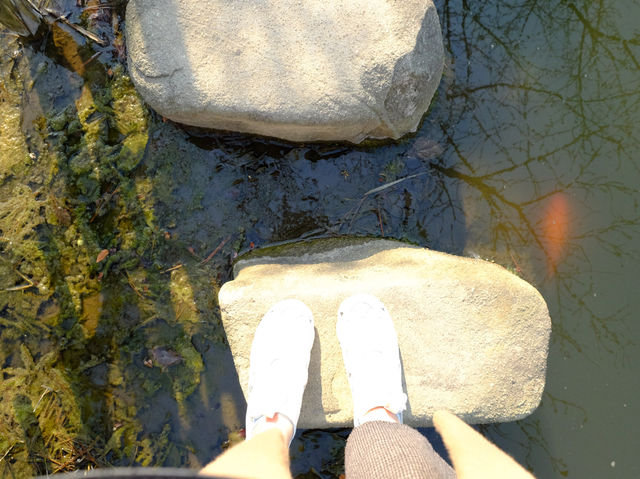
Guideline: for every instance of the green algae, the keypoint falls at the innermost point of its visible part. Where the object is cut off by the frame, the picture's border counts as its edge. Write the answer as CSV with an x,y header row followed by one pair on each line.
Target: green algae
x,y
299,248
75,331
40,418
308,247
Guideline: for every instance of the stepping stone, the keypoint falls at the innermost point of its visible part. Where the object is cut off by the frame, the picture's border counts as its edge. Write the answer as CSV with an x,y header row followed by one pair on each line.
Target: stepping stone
x,y
473,337
299,70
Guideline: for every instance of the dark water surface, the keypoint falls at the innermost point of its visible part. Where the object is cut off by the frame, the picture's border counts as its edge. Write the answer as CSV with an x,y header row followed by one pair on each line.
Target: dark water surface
x,y
111,349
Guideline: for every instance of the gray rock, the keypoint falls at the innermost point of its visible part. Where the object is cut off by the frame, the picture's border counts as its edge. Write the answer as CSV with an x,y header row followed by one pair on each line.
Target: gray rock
x,y
473,337
303,71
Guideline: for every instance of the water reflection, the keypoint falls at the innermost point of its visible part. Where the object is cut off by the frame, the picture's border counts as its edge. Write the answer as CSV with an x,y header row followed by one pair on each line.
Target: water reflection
x,y
542,103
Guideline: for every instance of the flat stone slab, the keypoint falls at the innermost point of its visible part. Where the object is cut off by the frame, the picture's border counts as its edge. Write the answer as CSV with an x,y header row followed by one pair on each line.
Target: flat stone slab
x,y
299,70
473,337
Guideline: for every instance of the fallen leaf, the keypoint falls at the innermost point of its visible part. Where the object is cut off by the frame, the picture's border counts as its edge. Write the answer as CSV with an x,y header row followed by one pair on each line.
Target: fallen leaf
x,y
426,149
102,255
165,357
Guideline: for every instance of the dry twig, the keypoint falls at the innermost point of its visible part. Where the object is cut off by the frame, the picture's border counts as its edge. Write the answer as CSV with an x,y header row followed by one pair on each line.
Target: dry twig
x,y
133,286
22,287
173,268
215,251
82,31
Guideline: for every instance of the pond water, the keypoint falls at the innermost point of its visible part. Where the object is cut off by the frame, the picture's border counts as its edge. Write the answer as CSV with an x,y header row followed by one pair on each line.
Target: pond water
x,y
118,228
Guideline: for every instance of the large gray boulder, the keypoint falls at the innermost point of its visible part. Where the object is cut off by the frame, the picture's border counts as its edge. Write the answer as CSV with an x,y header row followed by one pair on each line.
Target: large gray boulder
x,y
473,337
299,70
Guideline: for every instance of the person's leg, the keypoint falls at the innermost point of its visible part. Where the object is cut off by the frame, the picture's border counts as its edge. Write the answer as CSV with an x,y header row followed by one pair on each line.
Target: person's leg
x,y
472,454
266,455
278,372
385,450
380,446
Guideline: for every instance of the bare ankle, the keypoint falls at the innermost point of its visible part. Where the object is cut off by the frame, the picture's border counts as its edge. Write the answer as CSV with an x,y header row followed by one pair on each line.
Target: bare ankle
x,y
278,421
379,413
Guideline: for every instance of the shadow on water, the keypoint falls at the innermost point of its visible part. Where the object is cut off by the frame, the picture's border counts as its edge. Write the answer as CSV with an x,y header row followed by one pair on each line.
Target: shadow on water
x,y
117,228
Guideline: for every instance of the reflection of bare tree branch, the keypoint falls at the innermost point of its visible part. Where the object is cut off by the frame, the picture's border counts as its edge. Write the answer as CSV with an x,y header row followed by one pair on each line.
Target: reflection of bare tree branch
x,y
533,432
495,199
468,92
532,439
473,93
595,34
544,100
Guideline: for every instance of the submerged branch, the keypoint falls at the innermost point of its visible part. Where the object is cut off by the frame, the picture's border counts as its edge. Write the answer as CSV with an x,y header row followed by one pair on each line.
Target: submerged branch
x,y
82,31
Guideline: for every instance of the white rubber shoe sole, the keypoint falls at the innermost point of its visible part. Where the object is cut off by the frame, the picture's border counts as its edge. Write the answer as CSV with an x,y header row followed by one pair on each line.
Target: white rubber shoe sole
x,y
279,363
371,356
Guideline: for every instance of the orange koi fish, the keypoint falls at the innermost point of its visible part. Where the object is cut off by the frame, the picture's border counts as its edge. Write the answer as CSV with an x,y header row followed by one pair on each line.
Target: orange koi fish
x,y
555,230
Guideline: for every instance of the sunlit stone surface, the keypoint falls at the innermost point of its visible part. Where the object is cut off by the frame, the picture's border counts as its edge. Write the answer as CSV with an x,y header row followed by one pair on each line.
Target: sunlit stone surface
x,y
473,337
311,70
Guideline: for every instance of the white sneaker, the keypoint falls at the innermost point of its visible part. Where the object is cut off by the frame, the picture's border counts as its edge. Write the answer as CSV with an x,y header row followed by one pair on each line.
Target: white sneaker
x,y
279,363
371,356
